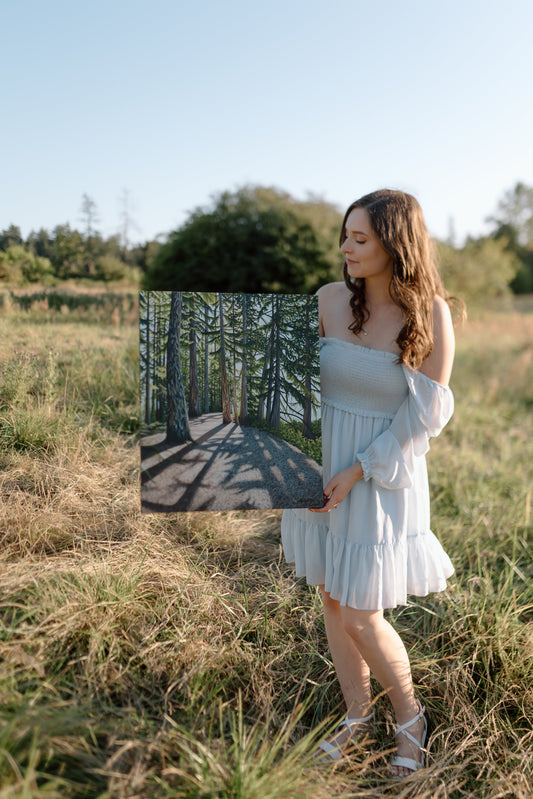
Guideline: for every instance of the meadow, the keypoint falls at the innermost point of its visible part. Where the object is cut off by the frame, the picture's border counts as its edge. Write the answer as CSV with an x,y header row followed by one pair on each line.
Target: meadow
x,y
176,656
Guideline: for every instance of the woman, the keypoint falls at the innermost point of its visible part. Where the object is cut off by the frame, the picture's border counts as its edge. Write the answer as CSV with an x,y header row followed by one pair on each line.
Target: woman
x,y
387,349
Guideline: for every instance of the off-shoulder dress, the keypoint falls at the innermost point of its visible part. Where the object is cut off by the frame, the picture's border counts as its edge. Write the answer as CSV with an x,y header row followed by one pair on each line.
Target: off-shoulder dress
x,y
376,547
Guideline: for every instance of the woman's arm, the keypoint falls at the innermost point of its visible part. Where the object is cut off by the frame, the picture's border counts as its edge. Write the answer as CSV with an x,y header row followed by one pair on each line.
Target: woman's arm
x,y
389,460
438,364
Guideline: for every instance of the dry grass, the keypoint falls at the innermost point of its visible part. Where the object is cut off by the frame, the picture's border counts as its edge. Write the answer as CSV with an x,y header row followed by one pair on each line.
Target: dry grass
x,y
175,656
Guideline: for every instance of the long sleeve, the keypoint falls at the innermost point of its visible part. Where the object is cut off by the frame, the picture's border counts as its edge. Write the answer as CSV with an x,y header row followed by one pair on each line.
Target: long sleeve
x,y
390,458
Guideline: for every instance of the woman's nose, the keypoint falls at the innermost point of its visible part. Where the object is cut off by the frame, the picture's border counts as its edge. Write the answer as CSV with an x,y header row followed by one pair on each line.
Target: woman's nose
x,y
345,247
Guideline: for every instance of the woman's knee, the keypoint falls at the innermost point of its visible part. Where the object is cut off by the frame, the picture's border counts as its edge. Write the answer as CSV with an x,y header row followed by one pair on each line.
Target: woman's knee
x,y
361,625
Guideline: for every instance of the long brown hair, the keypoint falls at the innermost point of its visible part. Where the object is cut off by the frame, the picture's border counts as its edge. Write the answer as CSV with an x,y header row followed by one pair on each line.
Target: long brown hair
x,y
397,220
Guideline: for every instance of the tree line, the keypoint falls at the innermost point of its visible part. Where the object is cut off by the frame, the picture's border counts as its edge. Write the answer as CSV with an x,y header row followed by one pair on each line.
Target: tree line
x,y
251,357
47,257
260,239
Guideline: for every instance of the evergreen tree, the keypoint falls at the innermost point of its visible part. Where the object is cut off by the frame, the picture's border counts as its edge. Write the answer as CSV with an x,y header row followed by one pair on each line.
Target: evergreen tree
x,y
224,388
177,420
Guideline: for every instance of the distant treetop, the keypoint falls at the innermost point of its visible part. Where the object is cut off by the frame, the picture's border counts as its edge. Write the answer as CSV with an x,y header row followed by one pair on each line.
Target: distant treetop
x,y
254,239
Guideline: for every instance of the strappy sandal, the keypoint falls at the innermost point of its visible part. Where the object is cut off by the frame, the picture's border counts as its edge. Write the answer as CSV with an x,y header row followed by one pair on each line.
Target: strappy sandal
x,y
408,762
332,751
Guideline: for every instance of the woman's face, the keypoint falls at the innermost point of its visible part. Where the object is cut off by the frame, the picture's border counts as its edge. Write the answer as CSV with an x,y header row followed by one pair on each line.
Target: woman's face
x,y
365,257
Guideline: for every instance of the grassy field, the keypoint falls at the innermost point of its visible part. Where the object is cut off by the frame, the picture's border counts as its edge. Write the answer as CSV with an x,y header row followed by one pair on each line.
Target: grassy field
x,y
176,656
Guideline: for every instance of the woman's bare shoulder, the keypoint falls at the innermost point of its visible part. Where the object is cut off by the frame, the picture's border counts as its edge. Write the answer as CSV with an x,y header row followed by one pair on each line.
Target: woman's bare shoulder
x,y
442,318
331,291
327,287
328,297
438,365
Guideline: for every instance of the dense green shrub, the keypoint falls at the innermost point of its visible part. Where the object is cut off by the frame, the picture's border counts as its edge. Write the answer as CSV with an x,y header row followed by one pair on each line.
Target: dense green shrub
x,y
254,239
19,266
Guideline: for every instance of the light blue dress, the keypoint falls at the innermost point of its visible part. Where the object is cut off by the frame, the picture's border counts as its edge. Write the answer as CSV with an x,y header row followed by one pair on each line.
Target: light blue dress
x,y
376,547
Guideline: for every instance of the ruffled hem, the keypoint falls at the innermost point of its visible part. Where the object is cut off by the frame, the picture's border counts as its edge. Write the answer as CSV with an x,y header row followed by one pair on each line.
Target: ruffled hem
x,y
364,576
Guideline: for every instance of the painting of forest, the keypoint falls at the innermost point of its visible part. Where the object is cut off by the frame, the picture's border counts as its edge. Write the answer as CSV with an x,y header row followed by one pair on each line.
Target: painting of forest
x,y
230,401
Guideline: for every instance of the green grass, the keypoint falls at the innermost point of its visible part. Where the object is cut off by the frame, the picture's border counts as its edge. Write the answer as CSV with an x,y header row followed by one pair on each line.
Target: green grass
x,y
176,655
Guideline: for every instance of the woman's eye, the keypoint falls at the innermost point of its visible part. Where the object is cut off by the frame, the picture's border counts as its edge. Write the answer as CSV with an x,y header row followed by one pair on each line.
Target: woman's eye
x,y
357,241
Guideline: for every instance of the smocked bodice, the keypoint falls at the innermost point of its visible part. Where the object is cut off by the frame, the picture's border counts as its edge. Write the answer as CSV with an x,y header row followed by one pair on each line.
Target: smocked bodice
x,y
358,378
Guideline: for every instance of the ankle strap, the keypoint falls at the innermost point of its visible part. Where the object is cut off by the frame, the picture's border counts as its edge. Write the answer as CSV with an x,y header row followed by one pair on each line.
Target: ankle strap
x,y
349,722
402,728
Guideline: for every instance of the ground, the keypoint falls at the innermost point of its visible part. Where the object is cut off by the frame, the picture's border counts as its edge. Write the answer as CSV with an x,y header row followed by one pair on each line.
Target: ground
x,y
226,467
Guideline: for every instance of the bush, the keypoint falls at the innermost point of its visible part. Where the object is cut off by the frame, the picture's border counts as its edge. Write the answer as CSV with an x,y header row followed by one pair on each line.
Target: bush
x,y
108,267
113,269
254,239
482,270
20,266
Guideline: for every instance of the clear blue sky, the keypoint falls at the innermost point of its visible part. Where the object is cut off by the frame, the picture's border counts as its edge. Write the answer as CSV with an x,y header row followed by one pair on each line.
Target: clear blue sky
x,y
175,100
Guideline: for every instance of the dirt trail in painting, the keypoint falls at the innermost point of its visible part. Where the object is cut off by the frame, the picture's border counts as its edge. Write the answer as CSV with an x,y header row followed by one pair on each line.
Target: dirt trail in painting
x,y
226,467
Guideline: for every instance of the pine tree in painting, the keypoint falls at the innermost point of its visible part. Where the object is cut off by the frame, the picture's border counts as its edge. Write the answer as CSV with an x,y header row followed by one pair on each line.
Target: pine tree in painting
x,y
177,420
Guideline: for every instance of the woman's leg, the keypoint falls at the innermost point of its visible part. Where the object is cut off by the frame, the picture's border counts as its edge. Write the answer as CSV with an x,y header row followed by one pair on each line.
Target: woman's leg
x,y
384,652
351,669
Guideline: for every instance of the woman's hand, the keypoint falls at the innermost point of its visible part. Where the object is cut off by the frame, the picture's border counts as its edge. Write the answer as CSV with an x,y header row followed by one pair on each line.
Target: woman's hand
x,y
339,487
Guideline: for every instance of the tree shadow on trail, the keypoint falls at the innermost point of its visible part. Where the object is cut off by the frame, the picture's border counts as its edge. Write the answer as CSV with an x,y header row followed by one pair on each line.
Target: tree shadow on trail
x,y
287,473
187,497
168,451
228,468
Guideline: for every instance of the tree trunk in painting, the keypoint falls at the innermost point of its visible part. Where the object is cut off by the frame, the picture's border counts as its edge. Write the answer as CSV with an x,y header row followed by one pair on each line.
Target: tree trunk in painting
x,y
274,418
194,398
155,361
161,365
271,364
163,305
234,347
206,358
263,391
244,375
307,430
226,410
177,420
147,410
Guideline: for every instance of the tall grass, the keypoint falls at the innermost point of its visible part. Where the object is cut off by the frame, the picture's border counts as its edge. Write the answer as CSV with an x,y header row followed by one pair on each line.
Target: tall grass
x,y
176,656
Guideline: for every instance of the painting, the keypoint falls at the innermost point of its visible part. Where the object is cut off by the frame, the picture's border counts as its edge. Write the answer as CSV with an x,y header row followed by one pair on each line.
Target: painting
x,y
230,401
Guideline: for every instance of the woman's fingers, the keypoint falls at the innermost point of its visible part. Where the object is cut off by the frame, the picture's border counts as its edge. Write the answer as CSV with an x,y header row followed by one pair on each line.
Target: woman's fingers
x,y
331,500
339,487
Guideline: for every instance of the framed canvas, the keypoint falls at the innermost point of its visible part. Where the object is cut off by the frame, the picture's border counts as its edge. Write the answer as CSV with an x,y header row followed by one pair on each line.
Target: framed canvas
x,y
230,401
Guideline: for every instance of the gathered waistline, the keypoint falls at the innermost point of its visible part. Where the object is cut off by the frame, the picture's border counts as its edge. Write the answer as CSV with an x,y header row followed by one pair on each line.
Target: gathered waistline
x,y
357,411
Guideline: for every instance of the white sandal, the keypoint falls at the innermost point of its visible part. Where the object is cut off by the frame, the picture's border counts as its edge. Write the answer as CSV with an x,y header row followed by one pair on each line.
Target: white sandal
x,y
332,751
409,762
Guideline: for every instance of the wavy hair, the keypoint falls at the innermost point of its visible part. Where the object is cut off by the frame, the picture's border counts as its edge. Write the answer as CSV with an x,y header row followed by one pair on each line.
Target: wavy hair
x,y
397,220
